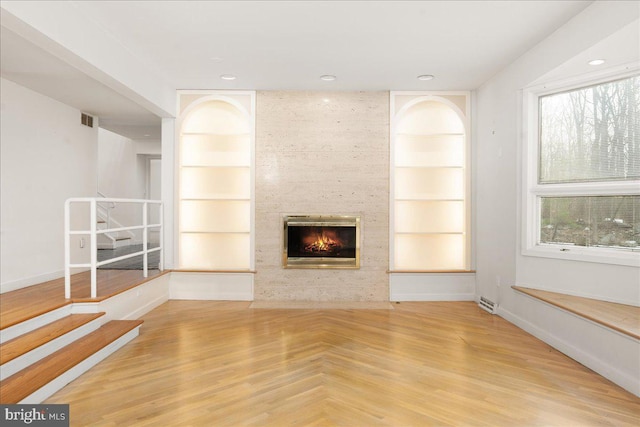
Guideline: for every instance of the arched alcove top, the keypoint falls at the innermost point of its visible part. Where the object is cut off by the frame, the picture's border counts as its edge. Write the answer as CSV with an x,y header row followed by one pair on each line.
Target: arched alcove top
x,y
430,115
215,115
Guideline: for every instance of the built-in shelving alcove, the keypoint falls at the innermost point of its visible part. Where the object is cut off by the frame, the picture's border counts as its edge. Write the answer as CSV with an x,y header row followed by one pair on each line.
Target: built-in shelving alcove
x,y
216,181
429,203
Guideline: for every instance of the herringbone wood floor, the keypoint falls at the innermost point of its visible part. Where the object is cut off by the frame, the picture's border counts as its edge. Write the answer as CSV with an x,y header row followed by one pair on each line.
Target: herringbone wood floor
x,y
205,363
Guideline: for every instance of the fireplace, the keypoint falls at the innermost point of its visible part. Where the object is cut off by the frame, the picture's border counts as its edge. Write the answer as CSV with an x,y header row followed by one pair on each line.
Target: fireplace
x,y
321,241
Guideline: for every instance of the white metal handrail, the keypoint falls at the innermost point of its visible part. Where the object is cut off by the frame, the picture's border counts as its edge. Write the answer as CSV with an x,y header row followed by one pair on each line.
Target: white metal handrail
x,y
93,232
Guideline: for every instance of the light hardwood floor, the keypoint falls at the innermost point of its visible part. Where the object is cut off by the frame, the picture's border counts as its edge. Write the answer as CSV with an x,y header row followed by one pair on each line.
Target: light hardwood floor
x,y
32,301
204,363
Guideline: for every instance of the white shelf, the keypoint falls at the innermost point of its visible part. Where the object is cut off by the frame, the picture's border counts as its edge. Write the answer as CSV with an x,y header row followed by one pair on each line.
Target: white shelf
x,y
208,233
429,216
215,150
429,135
215,216
429,167
425,233
215,207
429,183
215,183
216,134
428,200
238,199
432,151
429,224
429,252
215,251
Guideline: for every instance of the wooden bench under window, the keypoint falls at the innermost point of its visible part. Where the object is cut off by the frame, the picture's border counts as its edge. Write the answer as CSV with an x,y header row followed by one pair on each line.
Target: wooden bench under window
x,y
619,317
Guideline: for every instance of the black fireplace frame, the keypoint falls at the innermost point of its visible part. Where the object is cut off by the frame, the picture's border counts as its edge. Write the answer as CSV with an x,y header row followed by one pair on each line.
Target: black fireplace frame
x,y
321,220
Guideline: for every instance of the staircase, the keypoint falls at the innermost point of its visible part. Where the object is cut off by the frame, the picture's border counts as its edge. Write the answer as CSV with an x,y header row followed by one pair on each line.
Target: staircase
x,y
110,240
41,355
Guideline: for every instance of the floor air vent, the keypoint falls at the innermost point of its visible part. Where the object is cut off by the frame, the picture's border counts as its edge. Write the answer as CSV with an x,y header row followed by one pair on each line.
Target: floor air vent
x,y
487,305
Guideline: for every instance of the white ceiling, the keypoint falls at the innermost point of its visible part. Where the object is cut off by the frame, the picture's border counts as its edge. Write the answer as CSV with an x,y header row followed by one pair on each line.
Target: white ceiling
x,y
32,67
287,45
368,45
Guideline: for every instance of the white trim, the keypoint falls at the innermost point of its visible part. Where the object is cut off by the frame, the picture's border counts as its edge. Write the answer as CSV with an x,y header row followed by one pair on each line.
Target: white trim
x,y
131,304
533,191
24,360
583,356
73,373
230,97
425,297
593,78
30,281
211,286
465,119
29,325
432,286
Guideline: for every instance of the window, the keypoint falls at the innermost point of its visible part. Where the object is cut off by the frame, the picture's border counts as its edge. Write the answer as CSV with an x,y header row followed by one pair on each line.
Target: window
x,y
583,170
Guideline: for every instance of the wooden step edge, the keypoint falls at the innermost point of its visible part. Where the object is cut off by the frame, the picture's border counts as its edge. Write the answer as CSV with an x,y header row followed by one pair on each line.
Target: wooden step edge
x,y
119,239
24,383
31,340
33,315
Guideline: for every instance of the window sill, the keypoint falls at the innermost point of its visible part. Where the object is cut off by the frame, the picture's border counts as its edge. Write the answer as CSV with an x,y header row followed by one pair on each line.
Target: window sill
x,y
579,253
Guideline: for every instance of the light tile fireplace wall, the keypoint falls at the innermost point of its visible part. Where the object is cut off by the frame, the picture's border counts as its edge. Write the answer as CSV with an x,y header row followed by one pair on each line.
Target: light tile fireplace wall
x,y
322,153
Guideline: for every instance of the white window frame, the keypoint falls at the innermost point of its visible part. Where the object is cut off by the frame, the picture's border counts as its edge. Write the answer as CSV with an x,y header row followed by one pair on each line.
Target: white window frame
x,y
533,191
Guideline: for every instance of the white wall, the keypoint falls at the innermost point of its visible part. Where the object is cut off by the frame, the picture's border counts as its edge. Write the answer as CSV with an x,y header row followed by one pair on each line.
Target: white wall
x,y
119,176
47,156
117,166
499,263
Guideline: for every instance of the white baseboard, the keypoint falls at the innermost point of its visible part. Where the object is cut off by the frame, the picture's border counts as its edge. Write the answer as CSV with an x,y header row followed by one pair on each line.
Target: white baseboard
x,y
626,380
398,296
432,287
29,281
211,286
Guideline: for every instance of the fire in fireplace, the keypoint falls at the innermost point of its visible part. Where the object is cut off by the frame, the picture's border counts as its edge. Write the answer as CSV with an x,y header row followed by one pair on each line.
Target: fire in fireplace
x,y
321,241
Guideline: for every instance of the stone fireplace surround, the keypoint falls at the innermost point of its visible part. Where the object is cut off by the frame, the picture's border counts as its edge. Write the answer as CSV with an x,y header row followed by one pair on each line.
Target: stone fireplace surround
x,y
322,152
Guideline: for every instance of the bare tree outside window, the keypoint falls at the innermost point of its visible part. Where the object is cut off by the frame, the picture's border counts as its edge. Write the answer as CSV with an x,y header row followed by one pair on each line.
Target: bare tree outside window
x,y
591,135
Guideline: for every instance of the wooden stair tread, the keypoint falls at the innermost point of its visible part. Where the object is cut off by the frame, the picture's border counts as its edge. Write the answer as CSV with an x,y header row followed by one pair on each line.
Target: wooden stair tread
x,y
24,383
619,317
122,238
34,339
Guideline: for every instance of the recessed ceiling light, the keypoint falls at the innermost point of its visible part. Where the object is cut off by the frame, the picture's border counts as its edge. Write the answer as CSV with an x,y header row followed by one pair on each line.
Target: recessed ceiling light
x,y
596,62
216,59
328,78
146,134
425,77
228,77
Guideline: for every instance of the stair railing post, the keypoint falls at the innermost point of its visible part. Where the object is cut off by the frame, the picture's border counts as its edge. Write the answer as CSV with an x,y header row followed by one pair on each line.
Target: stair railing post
x,y
67,249
94,248
145,258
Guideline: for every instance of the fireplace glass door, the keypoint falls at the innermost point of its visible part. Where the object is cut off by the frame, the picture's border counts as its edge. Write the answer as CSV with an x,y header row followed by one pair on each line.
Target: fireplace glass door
x,y
321,241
